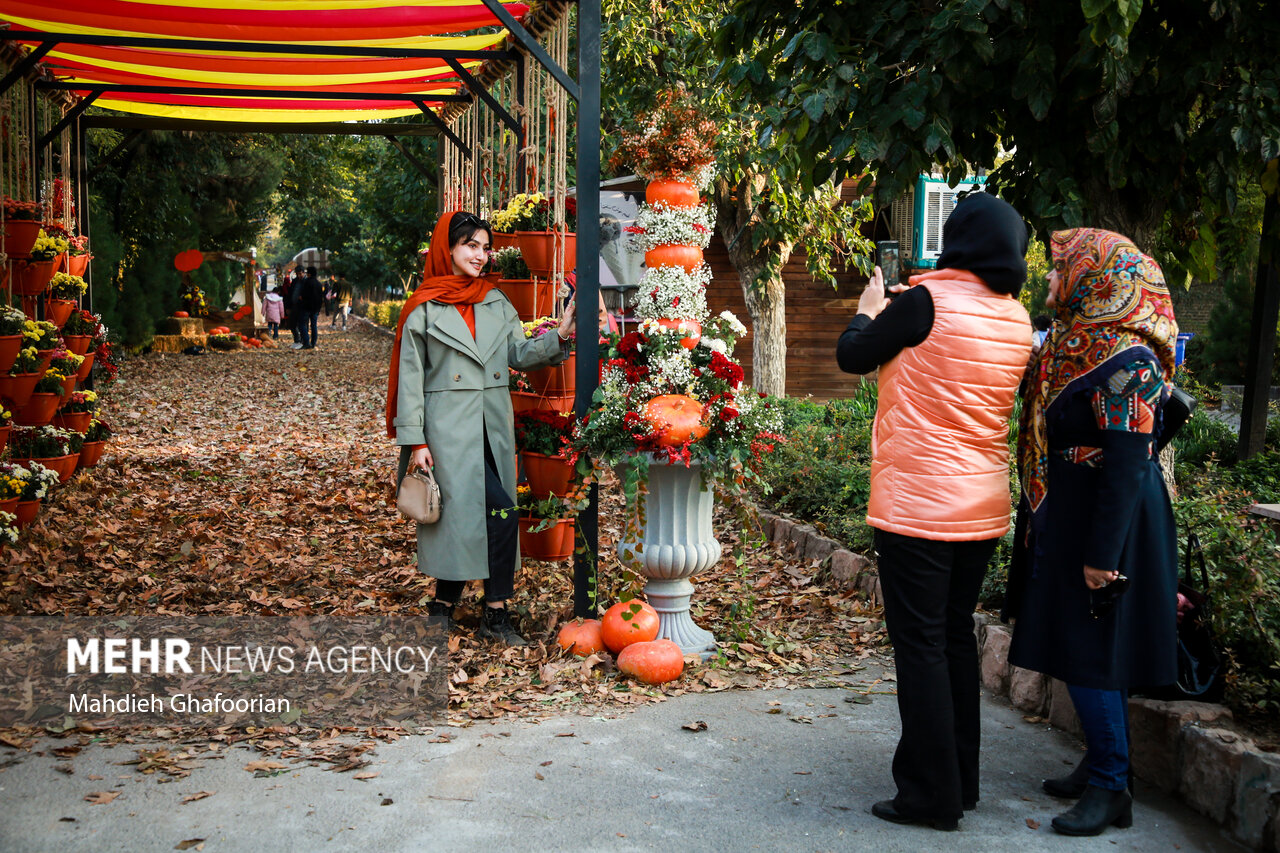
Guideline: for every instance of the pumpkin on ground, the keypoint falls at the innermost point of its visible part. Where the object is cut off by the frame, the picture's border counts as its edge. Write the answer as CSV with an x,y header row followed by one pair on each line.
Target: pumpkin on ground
x,y
628,622
653,662
582,637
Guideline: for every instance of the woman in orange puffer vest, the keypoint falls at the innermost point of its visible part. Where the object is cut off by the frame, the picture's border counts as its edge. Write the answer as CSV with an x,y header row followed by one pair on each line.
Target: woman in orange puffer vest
x,y
951,351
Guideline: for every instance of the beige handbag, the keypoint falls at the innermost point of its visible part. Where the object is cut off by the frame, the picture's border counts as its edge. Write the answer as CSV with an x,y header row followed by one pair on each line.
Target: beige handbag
x,y
419,498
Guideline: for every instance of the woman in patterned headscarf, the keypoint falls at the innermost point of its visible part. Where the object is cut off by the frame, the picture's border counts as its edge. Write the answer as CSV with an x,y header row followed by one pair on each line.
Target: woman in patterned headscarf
x,y
1095,596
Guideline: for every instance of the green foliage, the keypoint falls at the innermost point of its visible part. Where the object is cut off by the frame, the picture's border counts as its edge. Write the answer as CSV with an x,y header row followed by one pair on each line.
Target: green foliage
x,y
384,313
1220,353
1107,112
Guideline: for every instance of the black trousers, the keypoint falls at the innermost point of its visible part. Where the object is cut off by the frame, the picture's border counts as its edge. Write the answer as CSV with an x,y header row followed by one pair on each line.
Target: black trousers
x,y
504,534
930,592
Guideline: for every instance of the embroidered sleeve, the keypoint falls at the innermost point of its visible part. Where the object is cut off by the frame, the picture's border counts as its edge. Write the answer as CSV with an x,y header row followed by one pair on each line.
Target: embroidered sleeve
x,y
1128,401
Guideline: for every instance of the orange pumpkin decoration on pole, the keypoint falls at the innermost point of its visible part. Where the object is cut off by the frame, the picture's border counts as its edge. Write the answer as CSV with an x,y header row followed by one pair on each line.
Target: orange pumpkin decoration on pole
x,y
676,418
674,193
689,258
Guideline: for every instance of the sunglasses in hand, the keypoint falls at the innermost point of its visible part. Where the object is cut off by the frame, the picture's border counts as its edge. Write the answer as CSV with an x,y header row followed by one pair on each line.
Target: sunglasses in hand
x,y
1103,601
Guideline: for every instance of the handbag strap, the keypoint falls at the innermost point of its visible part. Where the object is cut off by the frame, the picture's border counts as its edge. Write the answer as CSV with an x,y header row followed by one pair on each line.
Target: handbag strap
x,y
1193,545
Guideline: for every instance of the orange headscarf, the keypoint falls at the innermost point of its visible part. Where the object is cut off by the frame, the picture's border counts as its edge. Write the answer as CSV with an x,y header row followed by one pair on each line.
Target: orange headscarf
x,y
439,284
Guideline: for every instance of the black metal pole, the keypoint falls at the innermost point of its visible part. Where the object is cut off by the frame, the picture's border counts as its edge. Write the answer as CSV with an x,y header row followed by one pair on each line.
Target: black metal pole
x,y
588,268
1262,336
522,163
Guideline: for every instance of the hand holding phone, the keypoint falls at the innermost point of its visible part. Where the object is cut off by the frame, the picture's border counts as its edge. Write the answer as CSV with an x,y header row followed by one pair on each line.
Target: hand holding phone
x,y
888,260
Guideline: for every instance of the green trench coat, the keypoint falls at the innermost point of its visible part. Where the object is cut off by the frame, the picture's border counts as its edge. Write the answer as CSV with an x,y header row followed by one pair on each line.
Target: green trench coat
x,y
453,390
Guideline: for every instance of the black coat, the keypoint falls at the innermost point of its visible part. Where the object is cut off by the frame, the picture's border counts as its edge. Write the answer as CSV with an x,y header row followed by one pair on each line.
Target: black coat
x,y
311,295
1121,508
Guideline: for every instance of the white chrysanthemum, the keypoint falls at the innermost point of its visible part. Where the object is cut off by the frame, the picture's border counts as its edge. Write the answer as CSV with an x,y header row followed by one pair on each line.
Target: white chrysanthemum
x,y
715,345
674,370
734,323
669,224
673,292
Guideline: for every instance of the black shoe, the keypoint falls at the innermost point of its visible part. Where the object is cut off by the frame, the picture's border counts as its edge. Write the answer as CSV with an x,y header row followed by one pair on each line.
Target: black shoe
x,y
885,810
1098,808
1071,786
496,625
970,805
442,610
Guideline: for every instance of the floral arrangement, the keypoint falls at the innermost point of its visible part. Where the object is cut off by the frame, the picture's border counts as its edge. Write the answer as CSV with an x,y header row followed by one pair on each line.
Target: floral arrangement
x,y
193,301
28,361
99,430
58,229
27,211
544,432
45,442
81,323
6,416
224,341
517,381
75,441
673,292
510,263
78,246
66,286
104,356
13,480
50,383
541,326
8,528
66,363
80,401
12,321
671,141
533,212
662,224
47,247
38,481
40,334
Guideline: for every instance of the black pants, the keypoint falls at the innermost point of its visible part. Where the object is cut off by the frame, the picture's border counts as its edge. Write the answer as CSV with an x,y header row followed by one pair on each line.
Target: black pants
x,y
504,534
930,592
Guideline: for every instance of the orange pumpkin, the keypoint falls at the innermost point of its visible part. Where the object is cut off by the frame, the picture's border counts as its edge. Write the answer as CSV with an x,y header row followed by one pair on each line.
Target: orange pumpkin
x,y
673,255
182,315
188,260
655,662
676,418
582,637
676,193
628,622
692,330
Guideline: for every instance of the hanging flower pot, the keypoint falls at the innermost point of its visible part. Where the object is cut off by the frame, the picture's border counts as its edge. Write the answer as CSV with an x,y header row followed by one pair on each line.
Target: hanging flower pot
x,y
503,241
32,277
4,436
688,258
20,235
39,410
46,357
547,475
56,311
523,401
17,389
63,466
25,513
85,366
539,248
90,453
78,421
554,543
9,347
675,193
77,264
531,299
78,344
558,379
691,328
69,385
9,505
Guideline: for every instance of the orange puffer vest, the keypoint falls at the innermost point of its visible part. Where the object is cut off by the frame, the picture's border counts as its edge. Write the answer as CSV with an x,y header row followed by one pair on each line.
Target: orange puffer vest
x,y
940,446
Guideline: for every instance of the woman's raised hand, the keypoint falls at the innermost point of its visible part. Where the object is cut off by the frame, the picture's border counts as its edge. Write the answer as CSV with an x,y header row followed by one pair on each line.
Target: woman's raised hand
x,y
566,319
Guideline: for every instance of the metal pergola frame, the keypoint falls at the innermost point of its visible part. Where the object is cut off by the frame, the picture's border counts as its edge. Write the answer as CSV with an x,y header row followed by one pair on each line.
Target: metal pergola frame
x,y
586,91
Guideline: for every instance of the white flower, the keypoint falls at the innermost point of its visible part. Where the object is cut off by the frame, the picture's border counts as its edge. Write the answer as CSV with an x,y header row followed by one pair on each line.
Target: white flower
x,y
672,225
674,293
714,344
734,323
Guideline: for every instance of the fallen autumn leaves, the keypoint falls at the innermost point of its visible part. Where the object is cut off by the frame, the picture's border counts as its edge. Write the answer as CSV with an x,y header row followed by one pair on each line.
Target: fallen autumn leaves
x,y
257,483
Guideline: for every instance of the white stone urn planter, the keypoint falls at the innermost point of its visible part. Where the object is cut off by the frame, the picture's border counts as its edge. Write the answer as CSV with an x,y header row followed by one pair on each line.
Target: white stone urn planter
x,y
668,540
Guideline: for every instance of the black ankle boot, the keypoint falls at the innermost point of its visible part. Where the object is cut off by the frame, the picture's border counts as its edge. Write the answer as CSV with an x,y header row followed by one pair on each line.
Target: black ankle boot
x,y
442,610
496,625
1098,808
1072,785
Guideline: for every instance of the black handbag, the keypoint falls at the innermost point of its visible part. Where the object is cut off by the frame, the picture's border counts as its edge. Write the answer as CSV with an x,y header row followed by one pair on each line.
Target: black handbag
x,y
1199,664
1175,412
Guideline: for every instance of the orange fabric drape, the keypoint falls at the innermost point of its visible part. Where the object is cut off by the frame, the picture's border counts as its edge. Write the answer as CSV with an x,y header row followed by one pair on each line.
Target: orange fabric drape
x,y
439,284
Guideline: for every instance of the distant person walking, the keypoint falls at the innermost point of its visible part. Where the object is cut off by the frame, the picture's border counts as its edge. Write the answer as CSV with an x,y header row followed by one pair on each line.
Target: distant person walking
x,y
342,290
310,301
289,291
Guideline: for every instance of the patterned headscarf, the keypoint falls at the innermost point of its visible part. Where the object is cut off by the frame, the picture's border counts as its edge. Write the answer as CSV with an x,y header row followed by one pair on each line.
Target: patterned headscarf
x,y
1113,308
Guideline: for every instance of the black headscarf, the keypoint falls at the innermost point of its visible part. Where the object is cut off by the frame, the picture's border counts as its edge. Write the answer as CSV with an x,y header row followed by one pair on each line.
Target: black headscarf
x,y
987,237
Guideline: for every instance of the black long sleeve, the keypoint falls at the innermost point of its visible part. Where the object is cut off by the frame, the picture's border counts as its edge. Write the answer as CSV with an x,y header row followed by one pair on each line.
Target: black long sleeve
x,y
905,322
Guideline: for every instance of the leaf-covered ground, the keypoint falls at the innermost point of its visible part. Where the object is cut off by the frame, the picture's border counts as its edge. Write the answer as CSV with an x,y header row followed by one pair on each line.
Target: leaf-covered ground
x,y
257,484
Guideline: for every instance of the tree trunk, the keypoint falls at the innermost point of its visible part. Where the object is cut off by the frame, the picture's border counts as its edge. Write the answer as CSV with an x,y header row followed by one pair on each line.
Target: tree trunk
x,y
763,293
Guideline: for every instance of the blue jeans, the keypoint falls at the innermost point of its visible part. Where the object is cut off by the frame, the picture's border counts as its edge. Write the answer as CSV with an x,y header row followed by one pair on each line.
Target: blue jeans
x,y
1104,716
308,328
274,329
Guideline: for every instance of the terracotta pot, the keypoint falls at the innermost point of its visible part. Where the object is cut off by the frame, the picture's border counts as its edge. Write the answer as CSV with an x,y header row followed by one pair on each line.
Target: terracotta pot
x,y
522,401
46,358
56,311
531,299
9,505
10,345
78,344
547,475
558,379
63,466
4,435
538,249
554,543
39,410
20,235
675,193
26,512
90,454
78,421
77,264
673,255
692,329
85,366
32,277
17,389
503,241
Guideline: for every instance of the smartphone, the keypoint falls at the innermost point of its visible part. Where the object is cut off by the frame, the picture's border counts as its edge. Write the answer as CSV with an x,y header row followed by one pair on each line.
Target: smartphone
x,y
887,260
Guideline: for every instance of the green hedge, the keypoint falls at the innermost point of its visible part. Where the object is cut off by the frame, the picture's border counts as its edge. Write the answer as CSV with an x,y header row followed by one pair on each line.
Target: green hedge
x,y
383,313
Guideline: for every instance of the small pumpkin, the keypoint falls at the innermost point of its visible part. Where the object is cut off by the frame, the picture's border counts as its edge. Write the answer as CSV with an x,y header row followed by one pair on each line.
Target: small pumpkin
x,y
676,418
674,193
688,258
628,622
582,637
692,330
653,662
181,315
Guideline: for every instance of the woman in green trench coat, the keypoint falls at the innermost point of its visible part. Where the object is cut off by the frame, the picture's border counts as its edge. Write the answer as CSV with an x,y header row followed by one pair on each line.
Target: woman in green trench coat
x,y
448,408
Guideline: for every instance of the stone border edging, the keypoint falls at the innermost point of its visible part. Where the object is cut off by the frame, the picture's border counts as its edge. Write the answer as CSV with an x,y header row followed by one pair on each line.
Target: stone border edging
x,y
1183,748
